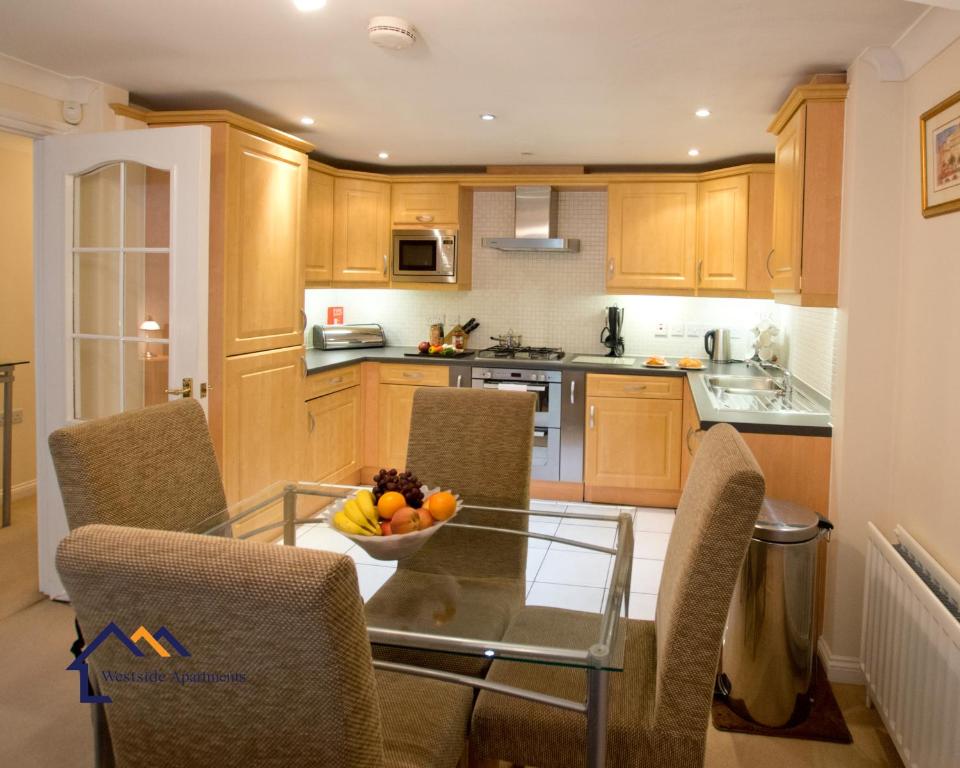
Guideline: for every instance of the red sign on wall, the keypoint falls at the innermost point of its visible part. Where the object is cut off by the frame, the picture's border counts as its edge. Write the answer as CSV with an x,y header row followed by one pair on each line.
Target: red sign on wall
x,y
334,315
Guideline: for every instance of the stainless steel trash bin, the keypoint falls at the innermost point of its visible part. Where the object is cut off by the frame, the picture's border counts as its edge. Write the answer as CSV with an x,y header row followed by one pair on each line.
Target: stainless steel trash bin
x,y
768,647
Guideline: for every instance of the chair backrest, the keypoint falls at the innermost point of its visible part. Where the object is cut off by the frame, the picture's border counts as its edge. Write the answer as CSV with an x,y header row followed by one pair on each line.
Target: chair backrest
x,y
279,670
714,522
150,468
479,444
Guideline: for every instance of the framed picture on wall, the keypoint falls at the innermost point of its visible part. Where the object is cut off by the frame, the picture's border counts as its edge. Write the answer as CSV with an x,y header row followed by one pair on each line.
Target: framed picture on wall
x,y
940,157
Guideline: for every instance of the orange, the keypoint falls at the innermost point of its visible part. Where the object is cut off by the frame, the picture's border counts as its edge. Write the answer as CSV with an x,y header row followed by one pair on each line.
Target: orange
x,y
389,503
442,505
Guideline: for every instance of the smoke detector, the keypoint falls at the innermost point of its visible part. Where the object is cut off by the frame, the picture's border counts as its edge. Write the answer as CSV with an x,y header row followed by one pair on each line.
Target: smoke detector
x,y
391,32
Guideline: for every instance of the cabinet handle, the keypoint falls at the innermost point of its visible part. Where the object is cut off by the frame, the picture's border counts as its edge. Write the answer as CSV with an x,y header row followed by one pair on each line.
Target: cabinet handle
x,y
384,265
311,422
424,218
593,413
412,375
303,363
459,379
573,392
611,267
303,318
690,433
699,271
634,387
768,262
336,380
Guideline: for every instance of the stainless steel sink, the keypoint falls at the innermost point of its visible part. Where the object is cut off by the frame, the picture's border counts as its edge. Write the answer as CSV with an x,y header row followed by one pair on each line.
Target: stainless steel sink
x,y
744,384
759,394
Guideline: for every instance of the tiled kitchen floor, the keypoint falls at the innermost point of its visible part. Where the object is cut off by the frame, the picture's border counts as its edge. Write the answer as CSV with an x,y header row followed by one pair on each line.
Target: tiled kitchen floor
x,y
558,575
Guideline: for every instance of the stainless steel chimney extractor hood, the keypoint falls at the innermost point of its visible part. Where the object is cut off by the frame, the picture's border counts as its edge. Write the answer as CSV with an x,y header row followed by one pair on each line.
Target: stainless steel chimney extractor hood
x,y
536,224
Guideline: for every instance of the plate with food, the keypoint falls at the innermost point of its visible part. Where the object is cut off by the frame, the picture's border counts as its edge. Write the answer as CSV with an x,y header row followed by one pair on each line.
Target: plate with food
x,y
396,517
690,363
655,361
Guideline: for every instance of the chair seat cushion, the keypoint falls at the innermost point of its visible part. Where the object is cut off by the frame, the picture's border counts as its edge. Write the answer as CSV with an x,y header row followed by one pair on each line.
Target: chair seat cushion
x,y
424,722
458,606
529,733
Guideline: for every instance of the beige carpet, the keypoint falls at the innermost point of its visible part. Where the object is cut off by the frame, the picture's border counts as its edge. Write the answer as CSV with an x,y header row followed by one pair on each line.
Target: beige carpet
x,y
42,722
18,558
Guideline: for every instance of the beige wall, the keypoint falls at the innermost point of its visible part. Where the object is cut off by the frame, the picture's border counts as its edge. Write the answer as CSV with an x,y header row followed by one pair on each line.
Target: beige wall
x,y
16,290
896,453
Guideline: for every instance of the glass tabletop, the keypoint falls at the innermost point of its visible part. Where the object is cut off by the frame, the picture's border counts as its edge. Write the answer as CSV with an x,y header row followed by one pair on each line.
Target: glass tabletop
x,y
455,587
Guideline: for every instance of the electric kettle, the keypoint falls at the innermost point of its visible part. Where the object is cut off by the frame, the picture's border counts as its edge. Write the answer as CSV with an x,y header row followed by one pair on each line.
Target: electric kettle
x,y
717,345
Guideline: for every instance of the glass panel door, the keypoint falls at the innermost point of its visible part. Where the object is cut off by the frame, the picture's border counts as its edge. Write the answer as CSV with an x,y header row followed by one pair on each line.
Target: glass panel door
x,y
121,289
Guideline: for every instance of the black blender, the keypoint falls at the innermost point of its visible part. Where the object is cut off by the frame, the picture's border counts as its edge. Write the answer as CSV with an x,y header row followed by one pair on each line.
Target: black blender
x,y
611,336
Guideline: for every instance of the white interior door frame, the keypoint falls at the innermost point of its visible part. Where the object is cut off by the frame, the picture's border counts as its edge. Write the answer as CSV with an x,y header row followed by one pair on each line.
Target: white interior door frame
x,y
185,153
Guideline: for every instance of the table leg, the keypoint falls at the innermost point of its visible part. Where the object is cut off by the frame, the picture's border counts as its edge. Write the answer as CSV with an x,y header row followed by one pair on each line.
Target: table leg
x,y
6,376
289,515
597,692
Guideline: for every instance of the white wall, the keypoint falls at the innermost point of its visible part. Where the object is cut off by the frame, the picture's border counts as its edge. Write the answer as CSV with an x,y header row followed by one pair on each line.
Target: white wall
x,y
896,451
558,299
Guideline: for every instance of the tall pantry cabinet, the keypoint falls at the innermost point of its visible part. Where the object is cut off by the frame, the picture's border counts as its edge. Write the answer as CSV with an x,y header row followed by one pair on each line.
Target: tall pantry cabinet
x,y
258,198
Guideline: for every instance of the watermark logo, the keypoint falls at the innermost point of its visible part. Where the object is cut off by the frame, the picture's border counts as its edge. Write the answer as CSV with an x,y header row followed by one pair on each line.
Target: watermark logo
x,y
152,640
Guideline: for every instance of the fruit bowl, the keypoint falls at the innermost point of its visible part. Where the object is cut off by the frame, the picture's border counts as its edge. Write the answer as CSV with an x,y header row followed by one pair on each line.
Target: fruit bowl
x,y
396,546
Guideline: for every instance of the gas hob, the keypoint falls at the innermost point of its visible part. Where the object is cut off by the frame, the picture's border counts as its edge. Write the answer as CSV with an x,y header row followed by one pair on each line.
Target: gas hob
x,y
521,353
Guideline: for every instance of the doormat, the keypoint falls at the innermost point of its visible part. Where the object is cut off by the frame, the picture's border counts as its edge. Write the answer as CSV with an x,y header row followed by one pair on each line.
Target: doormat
x,y
823,723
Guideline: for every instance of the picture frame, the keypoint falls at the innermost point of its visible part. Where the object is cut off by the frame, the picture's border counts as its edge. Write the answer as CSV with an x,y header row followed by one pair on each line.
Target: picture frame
x,y
940,157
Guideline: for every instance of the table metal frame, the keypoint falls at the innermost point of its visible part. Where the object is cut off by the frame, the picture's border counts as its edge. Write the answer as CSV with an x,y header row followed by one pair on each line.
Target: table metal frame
x,y
595,661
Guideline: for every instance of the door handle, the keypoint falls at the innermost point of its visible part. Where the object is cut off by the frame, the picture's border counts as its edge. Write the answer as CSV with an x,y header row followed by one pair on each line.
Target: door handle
x,y
690,433
185,391
423,218
459,379
593,413
303,318
303,363
611,267
699,271
311,422
384,265
768,262
573,391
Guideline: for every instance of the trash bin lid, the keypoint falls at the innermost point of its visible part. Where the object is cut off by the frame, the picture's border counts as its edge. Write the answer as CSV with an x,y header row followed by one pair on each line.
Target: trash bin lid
x,y
784,522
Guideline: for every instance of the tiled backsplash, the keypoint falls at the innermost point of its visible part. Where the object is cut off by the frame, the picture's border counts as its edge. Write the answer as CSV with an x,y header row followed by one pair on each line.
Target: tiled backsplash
x,y
555,299
810,350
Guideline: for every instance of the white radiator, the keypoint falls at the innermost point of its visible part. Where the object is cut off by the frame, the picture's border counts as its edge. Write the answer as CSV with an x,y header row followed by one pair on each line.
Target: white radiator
x,y
910,650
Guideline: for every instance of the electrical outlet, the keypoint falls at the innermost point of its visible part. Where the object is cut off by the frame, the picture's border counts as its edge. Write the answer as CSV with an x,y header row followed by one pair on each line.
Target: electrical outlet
x,y
17,416
677,329
660,329
695,330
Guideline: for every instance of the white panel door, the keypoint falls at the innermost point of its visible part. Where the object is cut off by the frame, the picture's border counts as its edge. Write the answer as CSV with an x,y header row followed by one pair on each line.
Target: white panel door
x,y
122,242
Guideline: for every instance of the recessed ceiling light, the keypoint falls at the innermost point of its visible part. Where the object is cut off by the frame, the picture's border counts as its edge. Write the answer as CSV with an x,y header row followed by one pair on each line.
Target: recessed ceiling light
x,y
702,112
693,152
384,155
309,5
307,121
487,116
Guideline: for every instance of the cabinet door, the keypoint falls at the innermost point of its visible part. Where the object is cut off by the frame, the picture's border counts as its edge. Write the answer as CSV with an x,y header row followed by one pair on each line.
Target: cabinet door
x,y
319,239
633,443
722,224
425,204
333,436
395,408
263,267
651,236
691,433
261,410
785,261
361,231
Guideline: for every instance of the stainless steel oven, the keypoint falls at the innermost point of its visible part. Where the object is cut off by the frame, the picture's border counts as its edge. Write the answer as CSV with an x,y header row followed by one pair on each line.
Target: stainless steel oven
x,y
546,385
425,255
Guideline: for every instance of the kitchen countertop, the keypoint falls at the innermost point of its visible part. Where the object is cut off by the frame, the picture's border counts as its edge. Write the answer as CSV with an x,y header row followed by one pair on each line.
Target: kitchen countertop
x,y
773,423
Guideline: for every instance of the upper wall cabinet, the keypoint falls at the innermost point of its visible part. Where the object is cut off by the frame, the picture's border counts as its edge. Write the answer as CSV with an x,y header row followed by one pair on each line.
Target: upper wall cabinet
x,y
651,236
318,252
425,204
361,231
263,258
722,240
804,265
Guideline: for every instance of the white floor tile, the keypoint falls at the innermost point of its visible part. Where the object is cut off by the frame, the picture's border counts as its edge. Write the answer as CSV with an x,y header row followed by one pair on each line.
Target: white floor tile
x,y
545,526
657,520
604,537
565,596
534,561
642,606
646,576
579,569
649,545
544,505
323,537
371,578
591,509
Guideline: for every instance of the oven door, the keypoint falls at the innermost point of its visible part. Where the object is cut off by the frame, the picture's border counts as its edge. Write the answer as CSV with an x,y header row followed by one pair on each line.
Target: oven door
x,y
426,255
548,398
546,454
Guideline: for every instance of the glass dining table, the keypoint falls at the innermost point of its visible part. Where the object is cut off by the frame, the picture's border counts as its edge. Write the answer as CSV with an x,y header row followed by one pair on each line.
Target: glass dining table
x,y
462,613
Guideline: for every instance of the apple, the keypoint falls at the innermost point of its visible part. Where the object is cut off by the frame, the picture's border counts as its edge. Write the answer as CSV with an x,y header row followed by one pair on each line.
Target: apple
x,y
410,520
423,347
386,528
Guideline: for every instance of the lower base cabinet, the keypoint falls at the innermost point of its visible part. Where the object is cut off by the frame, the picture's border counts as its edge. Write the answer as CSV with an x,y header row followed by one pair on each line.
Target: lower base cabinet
x,y
334,431
395,406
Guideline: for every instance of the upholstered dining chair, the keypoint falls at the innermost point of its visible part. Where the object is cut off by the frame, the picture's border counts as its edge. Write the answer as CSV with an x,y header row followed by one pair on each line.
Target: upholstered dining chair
x,y
659,704
480,444
150,468
267,658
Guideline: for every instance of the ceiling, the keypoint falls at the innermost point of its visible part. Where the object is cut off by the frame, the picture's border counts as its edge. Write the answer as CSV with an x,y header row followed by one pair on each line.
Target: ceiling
x,y
598,82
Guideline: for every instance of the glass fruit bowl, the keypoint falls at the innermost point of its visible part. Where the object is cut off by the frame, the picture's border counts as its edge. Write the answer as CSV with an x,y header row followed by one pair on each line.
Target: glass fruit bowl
x,y
396,546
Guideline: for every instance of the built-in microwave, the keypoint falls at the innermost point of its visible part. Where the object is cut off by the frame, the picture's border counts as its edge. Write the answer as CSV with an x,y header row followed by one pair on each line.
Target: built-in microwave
x,y
425,255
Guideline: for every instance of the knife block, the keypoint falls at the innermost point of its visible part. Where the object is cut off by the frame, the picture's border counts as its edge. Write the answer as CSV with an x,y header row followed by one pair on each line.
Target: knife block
x,y
448,339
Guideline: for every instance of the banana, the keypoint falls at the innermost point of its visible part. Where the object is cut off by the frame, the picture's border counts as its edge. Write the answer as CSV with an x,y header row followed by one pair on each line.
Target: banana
x,y
345,524
365,502
353,511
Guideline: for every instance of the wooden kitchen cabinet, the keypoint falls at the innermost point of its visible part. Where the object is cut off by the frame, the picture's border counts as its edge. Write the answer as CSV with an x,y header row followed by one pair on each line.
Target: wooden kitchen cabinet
x,y
426,204
390,414
632,444
804,265
722,234
334,431
318,250
263,277
651,236
361,231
